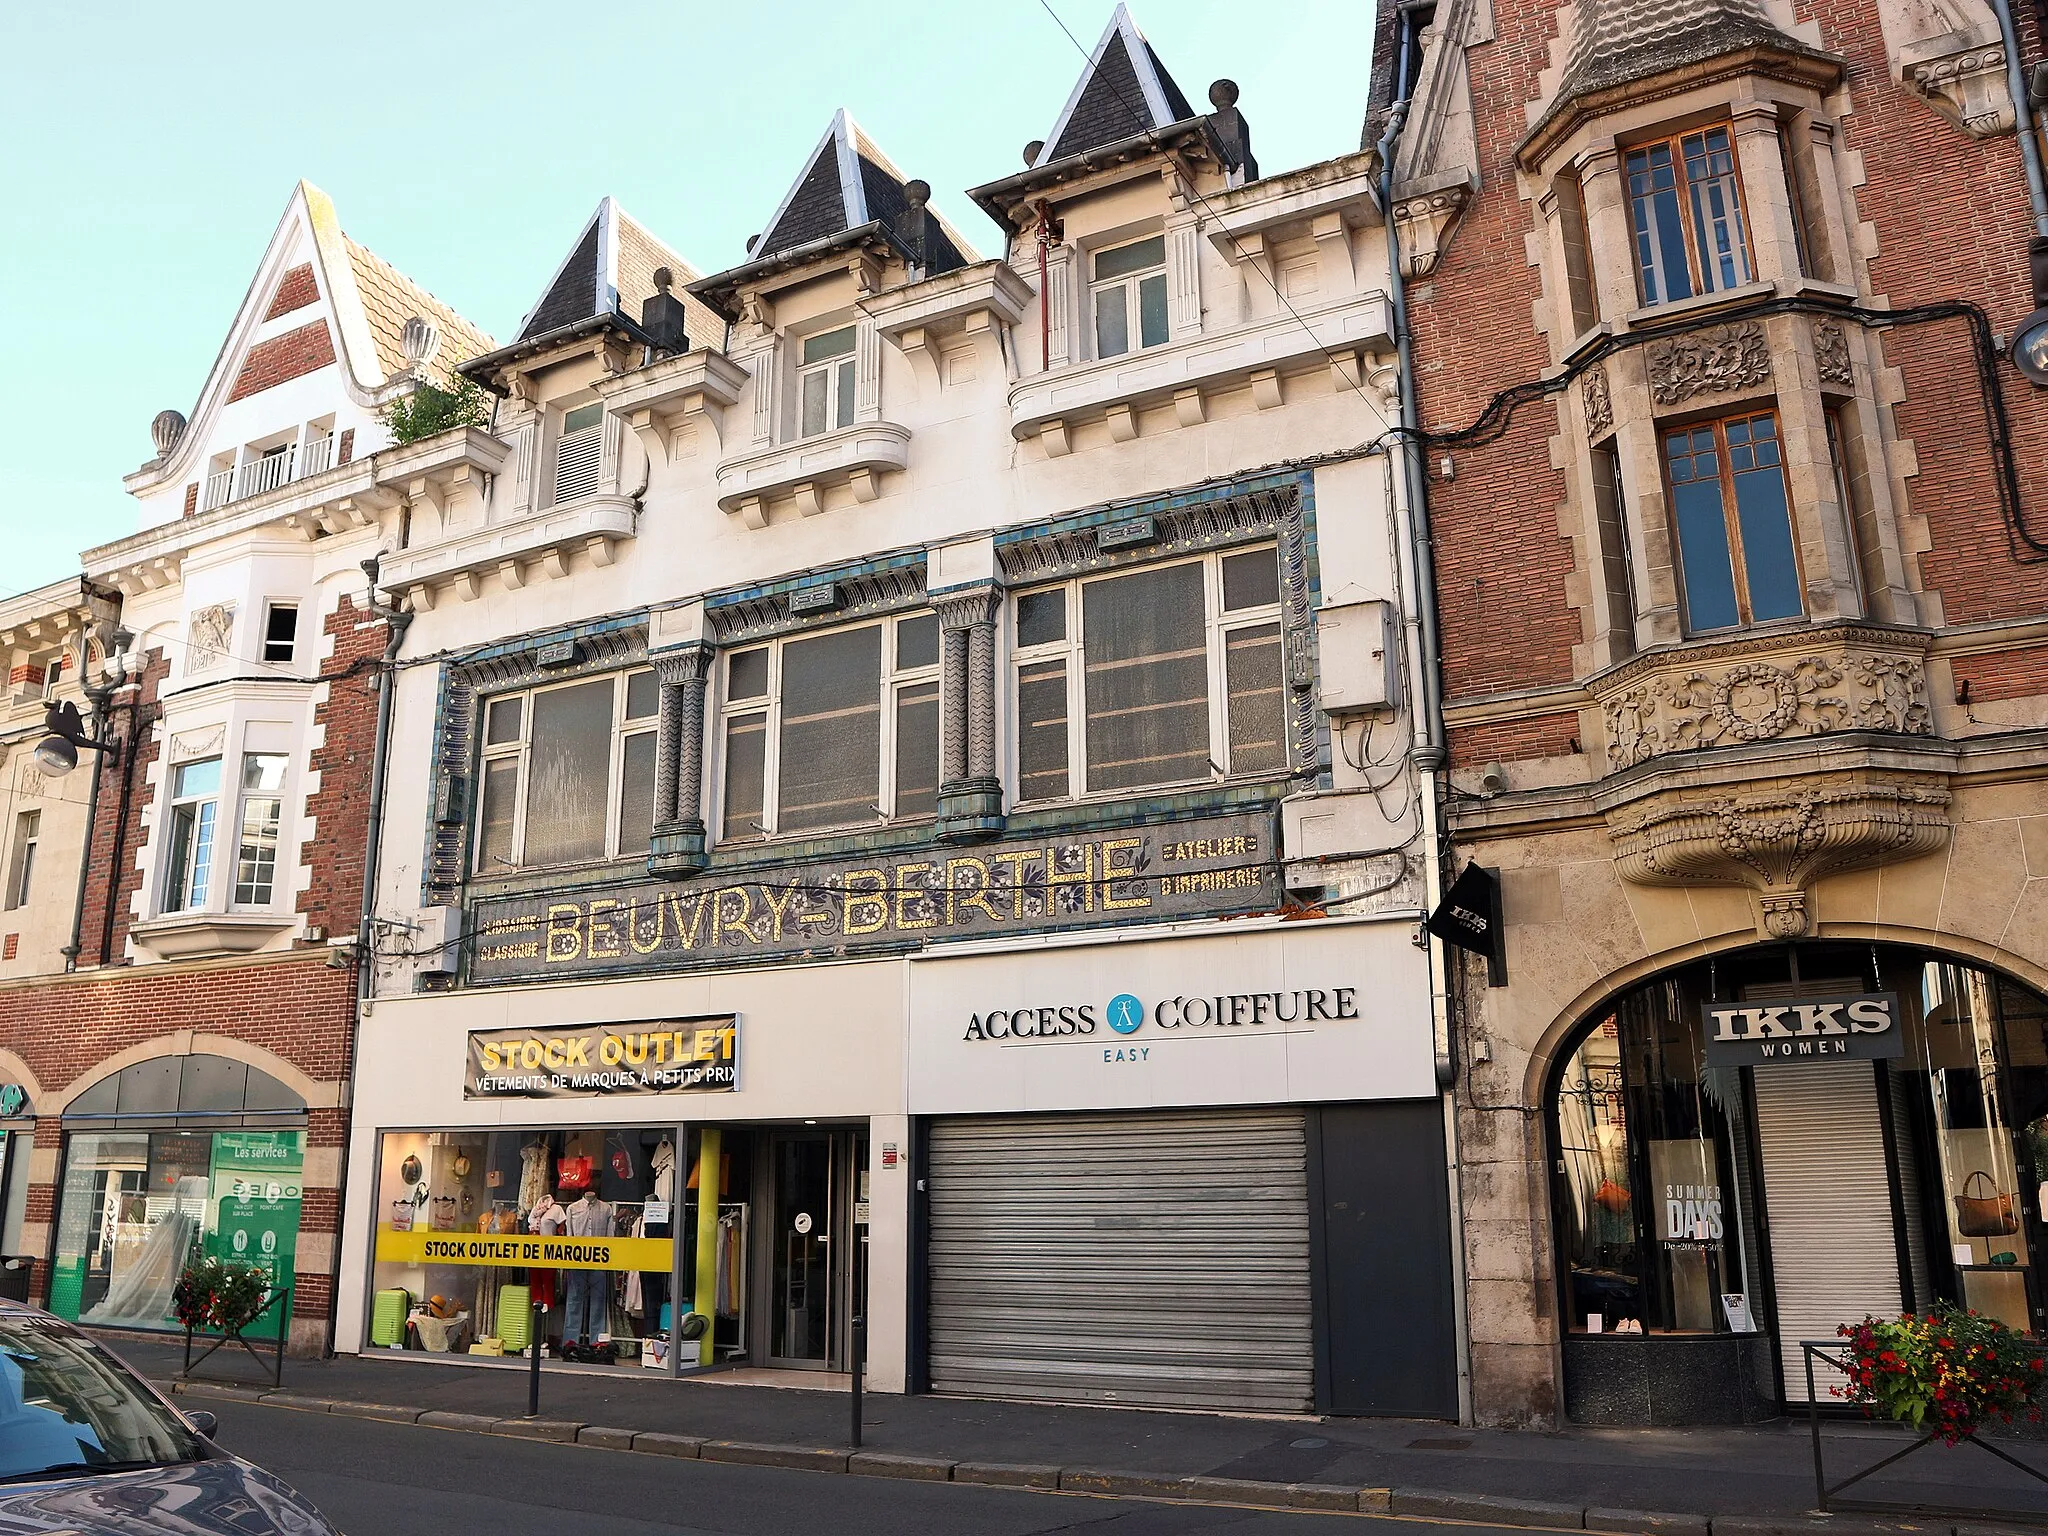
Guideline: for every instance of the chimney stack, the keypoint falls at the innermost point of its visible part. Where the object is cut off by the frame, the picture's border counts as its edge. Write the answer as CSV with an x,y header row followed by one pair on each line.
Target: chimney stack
x,y
662,315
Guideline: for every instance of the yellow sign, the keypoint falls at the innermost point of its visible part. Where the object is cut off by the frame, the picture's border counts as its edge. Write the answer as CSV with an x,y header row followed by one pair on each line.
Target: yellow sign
x,y
650,1255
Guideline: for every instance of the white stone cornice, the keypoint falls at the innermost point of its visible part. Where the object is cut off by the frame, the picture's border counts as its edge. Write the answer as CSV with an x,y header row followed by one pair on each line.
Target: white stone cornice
x,y
524,549
803,471
660,400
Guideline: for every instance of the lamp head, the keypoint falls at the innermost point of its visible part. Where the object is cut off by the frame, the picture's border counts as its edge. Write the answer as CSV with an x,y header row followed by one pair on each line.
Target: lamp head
x,y
56,756
2030,347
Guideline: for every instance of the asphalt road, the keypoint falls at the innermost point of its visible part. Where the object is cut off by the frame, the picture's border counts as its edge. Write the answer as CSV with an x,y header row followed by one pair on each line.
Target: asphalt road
x,y
378,1479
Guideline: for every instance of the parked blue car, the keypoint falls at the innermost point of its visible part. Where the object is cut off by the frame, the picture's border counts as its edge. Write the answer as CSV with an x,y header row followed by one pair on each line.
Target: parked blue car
x,y
88,1447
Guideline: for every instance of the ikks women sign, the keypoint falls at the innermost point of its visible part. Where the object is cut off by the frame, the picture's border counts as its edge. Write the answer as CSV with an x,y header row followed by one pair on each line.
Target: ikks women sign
x,y
592,1060
1860,1027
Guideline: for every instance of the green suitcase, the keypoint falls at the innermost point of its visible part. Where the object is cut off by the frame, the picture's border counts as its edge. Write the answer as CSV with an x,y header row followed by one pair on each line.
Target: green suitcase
x,y
515,1316
387,1318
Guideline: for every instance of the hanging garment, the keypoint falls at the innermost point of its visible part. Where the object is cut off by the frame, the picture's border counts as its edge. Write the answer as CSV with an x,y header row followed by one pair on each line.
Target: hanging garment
x,y
619,1154
664,1165
533,1175
634,1297
141,1293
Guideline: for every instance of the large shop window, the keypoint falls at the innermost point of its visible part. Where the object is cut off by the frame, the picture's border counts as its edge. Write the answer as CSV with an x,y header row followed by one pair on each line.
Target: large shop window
x,y
166,1161
1168,674
833,730
568,772
1814,1187
1685,202
1737,560
622,1186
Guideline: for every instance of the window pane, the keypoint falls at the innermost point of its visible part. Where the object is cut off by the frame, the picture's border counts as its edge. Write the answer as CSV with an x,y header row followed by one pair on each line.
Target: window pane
x,y
1251,580
200,778
1126,259
1716,210
191,855
1042,731
494,822
643,696
501,720
280,631
917,750
569,773
1252,664
1147,678
1042,617
1769,564
814,388
843,416
636,795
1152,310
831,744
263,770
1112,325
917,642
582,417
256,862
1660,234
746,774
1692,463
831,344
746,674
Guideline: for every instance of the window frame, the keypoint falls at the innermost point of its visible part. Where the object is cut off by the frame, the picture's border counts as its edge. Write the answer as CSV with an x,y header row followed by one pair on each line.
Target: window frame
x,y
565,436
1130,284
1731,518
21,859
520,751
1219,625
894,681
841,371
177,851
246,795
1697,272
267,641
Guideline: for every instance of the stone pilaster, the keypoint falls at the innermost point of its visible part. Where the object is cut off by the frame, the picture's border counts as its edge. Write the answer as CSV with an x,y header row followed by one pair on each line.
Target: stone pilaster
x,y
678,848
970,788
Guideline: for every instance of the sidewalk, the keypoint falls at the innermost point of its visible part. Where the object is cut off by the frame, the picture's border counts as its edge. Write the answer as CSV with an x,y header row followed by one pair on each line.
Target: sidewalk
x,y
1746,1481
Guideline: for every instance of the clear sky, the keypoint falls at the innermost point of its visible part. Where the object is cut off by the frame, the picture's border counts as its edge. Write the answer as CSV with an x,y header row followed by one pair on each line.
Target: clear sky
x,y
147,152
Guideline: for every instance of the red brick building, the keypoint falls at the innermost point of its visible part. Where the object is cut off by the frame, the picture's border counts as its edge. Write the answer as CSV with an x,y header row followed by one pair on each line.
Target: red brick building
x,y
183,1080
1742,562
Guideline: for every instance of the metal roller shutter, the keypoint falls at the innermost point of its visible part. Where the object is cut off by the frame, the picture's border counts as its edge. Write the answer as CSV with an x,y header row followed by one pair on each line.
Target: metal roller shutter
x,y
1158,1259
1828,1200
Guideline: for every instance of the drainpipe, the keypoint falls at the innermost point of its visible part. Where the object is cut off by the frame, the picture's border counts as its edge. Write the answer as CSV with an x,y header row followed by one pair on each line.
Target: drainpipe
x,y
1430,758
2023,120
397,622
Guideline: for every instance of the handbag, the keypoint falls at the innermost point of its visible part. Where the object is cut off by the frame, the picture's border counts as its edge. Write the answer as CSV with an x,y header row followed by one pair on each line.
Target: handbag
x,y
574,1172
1989,1215
622,1156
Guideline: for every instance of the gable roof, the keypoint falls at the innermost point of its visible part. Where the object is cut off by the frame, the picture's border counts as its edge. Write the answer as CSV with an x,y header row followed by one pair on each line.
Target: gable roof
x,y
846,184
609,271
1124,91
367,302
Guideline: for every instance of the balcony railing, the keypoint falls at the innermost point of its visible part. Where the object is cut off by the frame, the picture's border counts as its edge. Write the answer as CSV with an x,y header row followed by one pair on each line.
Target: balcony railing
x,y
256,476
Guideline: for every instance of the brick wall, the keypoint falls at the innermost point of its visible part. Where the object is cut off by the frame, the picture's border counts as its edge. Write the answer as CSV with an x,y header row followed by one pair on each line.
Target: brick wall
x,y
1507,741
290,356
132,727
341,810
2004,674
192,498
295,290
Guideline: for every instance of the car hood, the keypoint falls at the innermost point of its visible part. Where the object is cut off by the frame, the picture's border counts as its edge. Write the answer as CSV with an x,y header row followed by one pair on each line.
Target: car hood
x,y
222,1497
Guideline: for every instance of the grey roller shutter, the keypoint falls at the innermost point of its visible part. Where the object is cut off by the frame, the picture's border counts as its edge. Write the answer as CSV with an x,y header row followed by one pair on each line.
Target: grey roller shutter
x,y
1828,1200
1157,1259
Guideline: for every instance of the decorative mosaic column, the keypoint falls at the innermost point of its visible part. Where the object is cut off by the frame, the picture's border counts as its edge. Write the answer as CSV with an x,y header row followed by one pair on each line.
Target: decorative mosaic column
x,y
970,789
677,851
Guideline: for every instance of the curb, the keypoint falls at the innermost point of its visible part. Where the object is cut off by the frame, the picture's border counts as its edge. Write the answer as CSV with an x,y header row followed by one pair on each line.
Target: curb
x,y
1417,1503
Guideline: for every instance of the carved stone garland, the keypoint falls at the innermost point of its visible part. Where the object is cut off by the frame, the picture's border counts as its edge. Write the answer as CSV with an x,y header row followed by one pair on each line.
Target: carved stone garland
x,y
1598,401
1831,353
1714,360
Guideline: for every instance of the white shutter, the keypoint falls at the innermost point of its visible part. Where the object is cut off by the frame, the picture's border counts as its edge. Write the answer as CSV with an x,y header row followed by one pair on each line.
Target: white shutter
x,y
1156,1259
1827,1197
578,460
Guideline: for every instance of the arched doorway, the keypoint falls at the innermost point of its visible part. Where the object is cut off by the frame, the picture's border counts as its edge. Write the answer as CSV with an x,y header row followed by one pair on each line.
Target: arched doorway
x,y
167,1160
1748,1151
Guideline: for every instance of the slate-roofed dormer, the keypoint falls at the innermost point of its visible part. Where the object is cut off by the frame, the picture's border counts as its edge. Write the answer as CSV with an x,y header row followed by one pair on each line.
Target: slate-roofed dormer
x,y
1125,91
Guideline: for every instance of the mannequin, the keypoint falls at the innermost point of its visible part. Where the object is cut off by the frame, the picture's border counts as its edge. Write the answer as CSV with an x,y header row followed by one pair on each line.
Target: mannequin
x,y
586,1307
548,1219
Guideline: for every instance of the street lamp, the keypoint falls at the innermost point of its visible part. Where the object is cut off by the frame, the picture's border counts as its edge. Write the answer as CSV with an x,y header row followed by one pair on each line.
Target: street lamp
x,y
57,753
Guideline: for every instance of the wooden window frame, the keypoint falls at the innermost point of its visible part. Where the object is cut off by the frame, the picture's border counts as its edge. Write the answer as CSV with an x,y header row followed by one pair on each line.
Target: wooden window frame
x,y
1731,519
1695,260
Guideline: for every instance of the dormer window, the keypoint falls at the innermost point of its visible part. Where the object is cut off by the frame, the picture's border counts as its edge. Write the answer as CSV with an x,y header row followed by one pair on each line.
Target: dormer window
x,y
1686,205
1127,295
825,387
579,453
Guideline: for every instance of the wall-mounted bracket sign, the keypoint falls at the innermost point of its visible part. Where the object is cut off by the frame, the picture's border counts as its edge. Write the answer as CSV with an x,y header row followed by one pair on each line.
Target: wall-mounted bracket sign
x,y
1860,1027
13,1101
1192,868
587,1061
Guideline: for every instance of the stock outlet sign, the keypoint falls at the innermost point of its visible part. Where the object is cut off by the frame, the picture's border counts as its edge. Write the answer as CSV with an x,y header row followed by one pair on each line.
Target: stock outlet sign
x,y
581,1061
1862,1026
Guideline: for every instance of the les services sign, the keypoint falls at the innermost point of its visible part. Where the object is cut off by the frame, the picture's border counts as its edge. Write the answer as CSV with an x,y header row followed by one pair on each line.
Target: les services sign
x,y
1860,1027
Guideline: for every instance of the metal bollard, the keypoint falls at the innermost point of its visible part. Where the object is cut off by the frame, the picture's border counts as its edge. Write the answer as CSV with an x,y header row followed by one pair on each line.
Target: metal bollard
x,y
533,1316
860,1350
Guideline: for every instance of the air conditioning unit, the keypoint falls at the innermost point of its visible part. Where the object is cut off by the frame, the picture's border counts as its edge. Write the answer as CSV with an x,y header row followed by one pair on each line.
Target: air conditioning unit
x,y
1360,650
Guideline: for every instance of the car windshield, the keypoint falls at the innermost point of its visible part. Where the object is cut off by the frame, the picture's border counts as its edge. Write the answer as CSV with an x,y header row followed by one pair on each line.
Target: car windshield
x,y
67,1407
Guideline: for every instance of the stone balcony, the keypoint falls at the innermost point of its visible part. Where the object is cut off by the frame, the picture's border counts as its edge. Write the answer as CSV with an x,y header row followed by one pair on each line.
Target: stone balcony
x,y
803,471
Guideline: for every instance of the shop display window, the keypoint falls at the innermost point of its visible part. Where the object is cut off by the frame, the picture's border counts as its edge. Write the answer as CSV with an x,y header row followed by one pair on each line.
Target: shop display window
x,y
135,1207
624,1188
